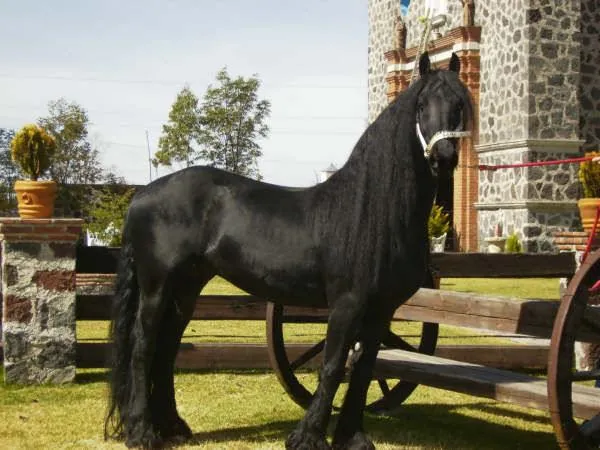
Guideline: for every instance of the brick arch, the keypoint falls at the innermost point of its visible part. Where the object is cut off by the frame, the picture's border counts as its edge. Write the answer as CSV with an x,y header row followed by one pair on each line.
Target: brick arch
x,y
464,41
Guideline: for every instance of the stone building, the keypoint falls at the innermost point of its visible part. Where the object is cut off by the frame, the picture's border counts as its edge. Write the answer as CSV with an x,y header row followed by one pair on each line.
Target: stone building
x,y
533,68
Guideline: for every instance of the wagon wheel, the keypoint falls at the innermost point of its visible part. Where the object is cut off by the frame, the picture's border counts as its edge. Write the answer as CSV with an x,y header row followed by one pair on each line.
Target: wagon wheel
x,y
562,376
393,392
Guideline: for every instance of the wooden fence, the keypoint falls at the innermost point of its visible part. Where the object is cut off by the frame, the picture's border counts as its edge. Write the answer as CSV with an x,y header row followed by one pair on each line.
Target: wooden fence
x,y
455,307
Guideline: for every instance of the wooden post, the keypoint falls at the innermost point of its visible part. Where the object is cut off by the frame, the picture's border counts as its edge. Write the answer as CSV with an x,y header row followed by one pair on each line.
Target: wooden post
x,y
38,299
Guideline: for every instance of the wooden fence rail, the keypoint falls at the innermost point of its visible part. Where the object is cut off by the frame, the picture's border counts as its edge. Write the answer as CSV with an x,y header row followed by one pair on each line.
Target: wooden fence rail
x,y
457,308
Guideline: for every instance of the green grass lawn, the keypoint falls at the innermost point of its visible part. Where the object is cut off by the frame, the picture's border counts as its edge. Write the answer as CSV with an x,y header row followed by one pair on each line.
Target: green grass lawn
x,y
250,410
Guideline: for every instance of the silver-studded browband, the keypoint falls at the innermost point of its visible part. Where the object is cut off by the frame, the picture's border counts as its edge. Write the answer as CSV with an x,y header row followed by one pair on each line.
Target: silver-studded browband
x,y
438,137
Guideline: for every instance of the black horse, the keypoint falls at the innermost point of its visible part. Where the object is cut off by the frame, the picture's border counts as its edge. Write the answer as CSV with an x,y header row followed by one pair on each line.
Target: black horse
x,y
356,243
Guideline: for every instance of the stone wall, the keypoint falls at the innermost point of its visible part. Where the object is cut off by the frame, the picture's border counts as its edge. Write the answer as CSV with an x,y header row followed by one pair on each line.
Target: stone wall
x,y
38,296
504,70
554,55
382,18
589,83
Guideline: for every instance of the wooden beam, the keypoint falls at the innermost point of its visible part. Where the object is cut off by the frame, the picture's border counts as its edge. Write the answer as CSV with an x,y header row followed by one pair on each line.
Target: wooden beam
x,y
449,264
482,381
504,265
210,356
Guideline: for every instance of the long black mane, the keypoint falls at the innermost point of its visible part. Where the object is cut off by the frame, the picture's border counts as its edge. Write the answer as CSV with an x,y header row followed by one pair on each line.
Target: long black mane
x,y
362,207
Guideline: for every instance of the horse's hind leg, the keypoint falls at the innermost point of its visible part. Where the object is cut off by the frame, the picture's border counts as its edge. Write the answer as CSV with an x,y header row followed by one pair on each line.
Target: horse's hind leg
x,y
183,290
139,429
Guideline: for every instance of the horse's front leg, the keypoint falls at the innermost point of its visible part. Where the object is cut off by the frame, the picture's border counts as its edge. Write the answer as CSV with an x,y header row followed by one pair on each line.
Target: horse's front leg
x,y
349,433
310,433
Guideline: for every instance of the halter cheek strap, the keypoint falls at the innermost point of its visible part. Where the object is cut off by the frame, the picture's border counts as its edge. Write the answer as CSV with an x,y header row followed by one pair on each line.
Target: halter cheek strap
x,y
438,137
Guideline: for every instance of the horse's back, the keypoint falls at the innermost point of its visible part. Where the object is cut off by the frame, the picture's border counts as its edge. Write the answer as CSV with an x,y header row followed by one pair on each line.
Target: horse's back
x,y
257,235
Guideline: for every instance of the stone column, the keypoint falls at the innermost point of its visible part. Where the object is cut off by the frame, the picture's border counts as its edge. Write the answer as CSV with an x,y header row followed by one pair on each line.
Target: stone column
x,y
529,111
38,299
383,15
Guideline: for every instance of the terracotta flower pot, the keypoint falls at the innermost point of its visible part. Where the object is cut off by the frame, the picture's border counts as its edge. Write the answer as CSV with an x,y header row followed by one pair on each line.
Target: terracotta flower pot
x,y
587,211
35,198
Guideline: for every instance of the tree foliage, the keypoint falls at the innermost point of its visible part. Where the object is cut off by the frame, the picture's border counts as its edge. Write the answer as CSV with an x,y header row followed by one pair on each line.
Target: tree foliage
x,y
9,172
75,161
180,136
222,132
108,216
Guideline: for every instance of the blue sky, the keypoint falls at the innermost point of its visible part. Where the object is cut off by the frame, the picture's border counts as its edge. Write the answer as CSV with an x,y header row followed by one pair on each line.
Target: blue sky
x,y
124,62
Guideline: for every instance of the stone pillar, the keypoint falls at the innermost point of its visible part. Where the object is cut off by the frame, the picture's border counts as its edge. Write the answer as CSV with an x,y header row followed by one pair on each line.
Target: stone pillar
x,y
38,299
383,15
529,111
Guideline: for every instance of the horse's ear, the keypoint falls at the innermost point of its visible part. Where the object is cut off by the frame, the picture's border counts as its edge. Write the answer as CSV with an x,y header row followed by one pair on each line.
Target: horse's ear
x,y
454,63
424,64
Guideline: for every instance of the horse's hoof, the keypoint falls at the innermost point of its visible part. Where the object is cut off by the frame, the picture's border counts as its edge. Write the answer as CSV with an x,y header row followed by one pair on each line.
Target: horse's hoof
x,y
298,440
358,441
176,431
148,440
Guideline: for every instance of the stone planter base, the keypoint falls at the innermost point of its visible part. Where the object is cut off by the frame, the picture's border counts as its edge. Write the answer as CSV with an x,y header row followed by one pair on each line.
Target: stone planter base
x,y
495,244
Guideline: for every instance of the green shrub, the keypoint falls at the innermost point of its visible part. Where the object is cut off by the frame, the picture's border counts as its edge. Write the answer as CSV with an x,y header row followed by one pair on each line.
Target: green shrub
x,y
513,245
589,175
439,222
32,149
108,216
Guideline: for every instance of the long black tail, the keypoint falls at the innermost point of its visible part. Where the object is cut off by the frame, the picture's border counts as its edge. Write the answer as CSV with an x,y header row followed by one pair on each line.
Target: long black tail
x,y
124,307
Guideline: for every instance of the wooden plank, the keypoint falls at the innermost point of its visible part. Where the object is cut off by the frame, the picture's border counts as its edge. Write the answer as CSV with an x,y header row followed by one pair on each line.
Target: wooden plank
x,y
208,307
482,381
209,356
504,265
505,314
450,265
497,313
509,357
96,259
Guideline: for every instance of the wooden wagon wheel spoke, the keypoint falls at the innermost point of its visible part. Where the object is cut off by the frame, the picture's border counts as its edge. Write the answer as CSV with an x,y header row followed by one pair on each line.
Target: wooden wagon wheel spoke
x,y
385,389
394,341
308,355
586,375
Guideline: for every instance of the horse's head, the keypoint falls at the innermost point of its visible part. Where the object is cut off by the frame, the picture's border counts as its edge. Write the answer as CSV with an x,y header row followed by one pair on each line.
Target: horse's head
x,y
444,110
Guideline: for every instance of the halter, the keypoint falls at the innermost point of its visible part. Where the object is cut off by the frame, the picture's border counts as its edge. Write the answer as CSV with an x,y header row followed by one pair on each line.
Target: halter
x,y
438,137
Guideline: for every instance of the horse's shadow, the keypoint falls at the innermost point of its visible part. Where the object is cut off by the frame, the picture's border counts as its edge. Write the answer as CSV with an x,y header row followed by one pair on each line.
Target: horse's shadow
x,y
415,426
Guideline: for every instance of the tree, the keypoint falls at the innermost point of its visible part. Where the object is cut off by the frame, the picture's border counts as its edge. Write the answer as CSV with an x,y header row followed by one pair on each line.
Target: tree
x,y
75,160
108,216
9,172
181,133
222,132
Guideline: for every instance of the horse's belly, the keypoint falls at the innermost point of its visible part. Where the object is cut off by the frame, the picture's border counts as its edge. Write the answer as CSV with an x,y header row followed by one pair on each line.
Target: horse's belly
x,y
288,274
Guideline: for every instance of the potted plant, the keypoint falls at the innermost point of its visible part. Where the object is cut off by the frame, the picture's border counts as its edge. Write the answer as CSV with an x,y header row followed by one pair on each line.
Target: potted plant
x,y
32,150
438,226
589,176
513,244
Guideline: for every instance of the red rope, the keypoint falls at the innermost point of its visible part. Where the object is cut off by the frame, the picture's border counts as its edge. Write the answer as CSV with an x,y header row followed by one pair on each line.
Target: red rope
x,y
536,163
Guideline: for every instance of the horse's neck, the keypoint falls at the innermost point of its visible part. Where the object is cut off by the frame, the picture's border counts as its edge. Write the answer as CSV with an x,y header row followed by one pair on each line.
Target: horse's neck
x,y
399,180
